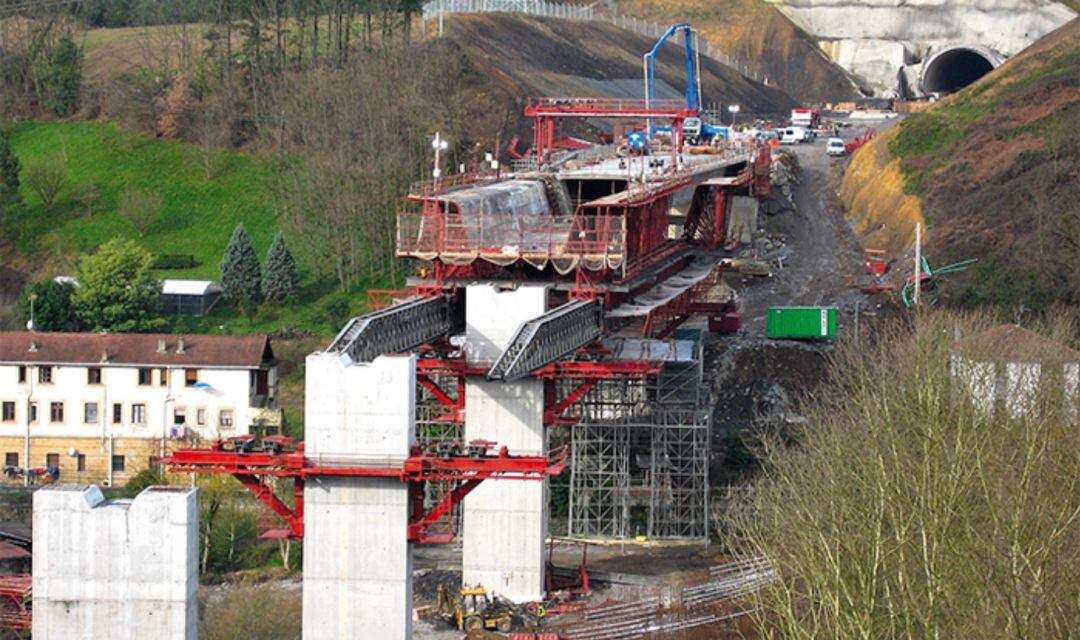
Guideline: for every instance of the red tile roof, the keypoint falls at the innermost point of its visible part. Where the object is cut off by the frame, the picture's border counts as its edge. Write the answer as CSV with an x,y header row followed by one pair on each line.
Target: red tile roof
x,y
1013,343
134,349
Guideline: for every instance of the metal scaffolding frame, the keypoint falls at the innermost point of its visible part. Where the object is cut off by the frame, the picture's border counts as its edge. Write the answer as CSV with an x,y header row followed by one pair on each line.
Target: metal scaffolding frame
x,y
639,456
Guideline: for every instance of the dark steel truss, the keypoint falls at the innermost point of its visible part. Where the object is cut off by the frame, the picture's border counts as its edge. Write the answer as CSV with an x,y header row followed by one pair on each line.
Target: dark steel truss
x,y
547,338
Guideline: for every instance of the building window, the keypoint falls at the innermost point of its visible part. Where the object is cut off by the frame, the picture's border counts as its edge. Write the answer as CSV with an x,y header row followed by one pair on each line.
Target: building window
x,y
191,376
90,412
163,377
146,377
200,416
138,414
225,418
7,411
33,413
118,413
80,462
180,416
52,460
22,374
44,375
118,463
93,375
56,412
11,459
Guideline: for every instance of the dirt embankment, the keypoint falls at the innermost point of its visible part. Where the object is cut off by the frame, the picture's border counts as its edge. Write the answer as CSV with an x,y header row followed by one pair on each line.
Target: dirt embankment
x,y
993,170
519,56
760,37
872,191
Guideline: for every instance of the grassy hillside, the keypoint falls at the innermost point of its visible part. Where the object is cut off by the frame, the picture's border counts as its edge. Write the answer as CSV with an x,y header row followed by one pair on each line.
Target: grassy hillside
x,y
198,215
760,37
995,168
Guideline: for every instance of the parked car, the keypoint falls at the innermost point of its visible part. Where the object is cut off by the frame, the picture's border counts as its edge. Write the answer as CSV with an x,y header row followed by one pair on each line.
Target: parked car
x,y
835,147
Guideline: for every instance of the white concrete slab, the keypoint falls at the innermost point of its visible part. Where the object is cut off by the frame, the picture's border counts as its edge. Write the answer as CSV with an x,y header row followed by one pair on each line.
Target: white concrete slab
x,y
357,559
122,569
504,522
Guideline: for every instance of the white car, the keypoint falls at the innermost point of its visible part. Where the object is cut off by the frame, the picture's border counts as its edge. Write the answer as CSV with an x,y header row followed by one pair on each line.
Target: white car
x,y
835,147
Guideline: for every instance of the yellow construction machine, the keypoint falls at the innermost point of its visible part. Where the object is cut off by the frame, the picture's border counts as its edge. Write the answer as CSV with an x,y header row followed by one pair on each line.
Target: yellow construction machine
x,y
474,610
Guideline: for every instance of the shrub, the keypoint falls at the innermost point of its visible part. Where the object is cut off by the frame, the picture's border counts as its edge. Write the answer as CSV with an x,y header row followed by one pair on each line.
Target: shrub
x,y
175,261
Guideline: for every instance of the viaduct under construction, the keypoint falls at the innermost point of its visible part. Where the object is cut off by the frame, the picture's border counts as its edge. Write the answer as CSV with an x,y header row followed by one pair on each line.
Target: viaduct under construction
x,y
538,335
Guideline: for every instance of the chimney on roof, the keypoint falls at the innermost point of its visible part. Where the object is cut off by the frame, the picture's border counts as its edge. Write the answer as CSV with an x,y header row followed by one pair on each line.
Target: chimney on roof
x,y
180,345
33,346
104,355
161,347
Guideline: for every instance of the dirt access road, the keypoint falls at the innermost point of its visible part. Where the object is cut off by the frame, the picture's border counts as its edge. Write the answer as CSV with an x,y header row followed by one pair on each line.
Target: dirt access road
x,y
821,257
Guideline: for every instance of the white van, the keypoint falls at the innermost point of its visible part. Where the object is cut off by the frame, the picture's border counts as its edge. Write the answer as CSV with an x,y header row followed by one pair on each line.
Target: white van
x,y
792,135
835,147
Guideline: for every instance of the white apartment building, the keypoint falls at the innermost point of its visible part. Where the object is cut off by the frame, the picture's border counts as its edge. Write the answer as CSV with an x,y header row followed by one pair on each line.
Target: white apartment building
x,y
99,407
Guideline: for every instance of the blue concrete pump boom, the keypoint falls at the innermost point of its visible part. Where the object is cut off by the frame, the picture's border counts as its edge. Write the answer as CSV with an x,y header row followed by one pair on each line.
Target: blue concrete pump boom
x,y
693,74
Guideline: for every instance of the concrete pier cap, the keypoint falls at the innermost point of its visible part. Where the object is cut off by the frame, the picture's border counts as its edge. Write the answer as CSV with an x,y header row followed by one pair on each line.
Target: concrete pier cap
x,y
118,569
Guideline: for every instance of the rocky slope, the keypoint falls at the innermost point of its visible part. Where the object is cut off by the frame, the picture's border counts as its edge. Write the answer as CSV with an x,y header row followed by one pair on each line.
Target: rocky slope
x,y
994,169
881,39
758,36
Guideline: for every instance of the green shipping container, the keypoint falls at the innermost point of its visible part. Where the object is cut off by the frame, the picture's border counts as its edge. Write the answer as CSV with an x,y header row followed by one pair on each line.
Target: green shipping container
x,y
802,323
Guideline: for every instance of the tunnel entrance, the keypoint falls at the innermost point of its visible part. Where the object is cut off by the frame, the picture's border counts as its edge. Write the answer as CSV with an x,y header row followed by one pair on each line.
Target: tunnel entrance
x,y
953,69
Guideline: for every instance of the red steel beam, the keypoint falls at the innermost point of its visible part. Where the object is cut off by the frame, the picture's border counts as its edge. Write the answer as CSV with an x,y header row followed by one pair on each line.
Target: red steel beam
x,y
253,469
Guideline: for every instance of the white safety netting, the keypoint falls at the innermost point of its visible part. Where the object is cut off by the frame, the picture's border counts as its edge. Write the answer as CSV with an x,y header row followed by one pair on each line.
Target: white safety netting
x,y
509,221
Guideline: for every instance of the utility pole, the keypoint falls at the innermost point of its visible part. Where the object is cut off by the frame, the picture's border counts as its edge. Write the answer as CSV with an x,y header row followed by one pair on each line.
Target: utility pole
x,y
918,261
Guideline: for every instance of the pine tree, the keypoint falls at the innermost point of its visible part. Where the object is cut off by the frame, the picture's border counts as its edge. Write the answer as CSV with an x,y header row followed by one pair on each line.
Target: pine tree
x,y
240,278
279,279
10,198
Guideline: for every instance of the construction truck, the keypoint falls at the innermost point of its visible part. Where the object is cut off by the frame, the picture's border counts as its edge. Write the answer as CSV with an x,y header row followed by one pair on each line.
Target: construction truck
x,y
473,610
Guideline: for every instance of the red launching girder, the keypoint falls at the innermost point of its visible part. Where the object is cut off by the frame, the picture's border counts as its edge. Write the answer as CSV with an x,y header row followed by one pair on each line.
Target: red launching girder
x,y
256,470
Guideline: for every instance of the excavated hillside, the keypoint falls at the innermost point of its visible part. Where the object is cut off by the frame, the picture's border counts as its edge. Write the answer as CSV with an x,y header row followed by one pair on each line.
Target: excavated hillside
x,y
525,56
760,37
995,171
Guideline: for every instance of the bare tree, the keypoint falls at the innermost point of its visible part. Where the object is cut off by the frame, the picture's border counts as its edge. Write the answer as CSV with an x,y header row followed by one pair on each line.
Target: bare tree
x,y
47,179
87,195
358,136
139,207
901,510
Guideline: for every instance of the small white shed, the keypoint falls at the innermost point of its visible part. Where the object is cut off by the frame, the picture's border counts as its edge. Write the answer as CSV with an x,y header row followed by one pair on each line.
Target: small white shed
x,y
189,297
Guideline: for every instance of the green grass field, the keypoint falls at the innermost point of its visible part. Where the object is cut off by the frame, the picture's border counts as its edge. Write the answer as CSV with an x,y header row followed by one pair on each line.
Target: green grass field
x,y
197,218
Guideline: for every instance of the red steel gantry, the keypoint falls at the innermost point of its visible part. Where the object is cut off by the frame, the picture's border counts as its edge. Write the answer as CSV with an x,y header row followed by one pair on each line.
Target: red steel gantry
x,y
256,463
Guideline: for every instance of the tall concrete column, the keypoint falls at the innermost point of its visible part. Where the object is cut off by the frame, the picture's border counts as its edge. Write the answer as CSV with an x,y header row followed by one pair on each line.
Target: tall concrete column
x,y
505,521
117,569
357,559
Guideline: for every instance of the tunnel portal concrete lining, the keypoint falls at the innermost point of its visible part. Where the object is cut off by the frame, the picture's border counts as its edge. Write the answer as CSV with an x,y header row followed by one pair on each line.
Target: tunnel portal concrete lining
x,y
955,67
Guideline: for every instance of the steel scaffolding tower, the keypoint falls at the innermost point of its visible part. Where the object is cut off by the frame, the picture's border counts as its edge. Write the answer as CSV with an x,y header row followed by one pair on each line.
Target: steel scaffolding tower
x,y
639,455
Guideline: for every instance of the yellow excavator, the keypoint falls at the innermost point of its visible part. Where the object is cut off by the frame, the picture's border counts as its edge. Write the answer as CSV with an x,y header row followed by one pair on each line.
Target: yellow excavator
x,y
473,610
